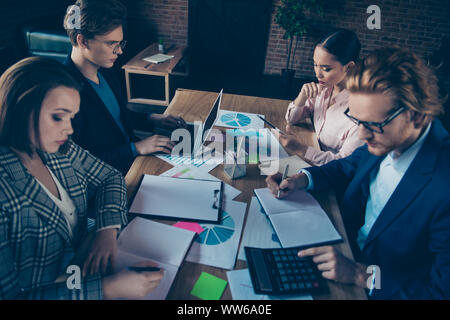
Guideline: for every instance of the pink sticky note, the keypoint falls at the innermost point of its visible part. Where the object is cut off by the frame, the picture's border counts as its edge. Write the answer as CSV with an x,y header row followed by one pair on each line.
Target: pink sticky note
x,y
192,226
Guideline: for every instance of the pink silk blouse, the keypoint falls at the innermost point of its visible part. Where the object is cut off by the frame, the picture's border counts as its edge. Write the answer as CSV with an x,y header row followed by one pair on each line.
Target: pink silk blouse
x,y
338,135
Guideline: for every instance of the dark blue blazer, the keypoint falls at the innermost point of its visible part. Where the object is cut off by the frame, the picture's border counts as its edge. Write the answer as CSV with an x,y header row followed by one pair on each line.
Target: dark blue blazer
x,y
410,241
95,128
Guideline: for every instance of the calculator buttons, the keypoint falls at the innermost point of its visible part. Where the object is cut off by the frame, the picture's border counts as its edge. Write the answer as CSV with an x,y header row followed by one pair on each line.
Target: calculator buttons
x,y
288,273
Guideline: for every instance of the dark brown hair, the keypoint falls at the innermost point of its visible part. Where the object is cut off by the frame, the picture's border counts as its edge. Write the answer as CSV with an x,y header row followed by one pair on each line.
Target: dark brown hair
x,y
23,87
402,75
343,44
97,17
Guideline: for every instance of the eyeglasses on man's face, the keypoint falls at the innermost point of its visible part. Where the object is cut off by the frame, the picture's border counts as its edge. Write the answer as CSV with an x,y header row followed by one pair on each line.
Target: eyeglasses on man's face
x,y
114,45
375,126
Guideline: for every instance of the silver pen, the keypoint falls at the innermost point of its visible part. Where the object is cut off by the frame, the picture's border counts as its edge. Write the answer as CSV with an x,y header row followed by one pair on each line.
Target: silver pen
x,y
284,177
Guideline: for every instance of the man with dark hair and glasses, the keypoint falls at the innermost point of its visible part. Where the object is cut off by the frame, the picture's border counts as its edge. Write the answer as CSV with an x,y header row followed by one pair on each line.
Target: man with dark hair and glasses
x,y
396,206
104,124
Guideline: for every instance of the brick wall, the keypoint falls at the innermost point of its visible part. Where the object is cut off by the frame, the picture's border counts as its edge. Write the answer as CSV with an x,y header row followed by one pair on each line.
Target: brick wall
x,y
149,20
416,24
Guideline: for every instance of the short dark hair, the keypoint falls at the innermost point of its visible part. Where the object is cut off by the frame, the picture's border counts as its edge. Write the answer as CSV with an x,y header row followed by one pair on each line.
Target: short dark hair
x,y
23,87
343,44
97,17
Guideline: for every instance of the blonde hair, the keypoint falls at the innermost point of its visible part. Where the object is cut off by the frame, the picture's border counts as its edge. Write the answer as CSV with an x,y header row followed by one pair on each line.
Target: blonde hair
x,y
399,73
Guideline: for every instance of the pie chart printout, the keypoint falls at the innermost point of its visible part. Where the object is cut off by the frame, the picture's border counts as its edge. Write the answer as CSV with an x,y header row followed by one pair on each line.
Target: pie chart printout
x,y
217,234
236,119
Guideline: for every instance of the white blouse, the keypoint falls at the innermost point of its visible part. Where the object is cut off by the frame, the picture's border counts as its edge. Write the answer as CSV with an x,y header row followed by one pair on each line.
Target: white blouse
x,y
66,204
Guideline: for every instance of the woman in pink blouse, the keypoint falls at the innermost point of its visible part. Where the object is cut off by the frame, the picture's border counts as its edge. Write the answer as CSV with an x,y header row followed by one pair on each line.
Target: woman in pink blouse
x,y
326,101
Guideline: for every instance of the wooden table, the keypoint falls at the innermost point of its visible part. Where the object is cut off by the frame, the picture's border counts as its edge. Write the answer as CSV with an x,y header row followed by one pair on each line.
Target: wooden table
x,y
142,67
194,105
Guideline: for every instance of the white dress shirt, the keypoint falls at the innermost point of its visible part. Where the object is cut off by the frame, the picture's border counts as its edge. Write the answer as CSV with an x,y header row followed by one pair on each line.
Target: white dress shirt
x,y
384,182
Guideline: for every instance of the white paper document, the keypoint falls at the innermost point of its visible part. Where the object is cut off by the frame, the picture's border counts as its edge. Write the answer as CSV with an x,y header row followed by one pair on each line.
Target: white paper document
x,y
237,119
295,164
177,198
298,219
146,240
205,163
192,172
258,231
218,244
242,289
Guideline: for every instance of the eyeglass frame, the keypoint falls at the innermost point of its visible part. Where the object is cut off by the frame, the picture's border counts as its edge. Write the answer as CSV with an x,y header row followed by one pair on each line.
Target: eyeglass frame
x,y
120,44
379,125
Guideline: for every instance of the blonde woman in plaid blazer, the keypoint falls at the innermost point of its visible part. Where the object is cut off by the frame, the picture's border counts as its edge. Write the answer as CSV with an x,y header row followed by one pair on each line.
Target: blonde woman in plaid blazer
x,y
38,236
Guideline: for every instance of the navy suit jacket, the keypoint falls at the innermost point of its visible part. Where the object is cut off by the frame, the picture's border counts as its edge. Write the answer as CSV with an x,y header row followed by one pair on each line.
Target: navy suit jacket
x,y
96,130
410,240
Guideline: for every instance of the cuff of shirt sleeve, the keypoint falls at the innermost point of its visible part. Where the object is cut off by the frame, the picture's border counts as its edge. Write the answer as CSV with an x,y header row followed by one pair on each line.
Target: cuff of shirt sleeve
x,y
133,149
117,226
310,185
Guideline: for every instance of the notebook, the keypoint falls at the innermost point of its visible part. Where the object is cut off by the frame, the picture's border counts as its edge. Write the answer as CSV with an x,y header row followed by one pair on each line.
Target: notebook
x,y
146,240
158,58
298,219
179,198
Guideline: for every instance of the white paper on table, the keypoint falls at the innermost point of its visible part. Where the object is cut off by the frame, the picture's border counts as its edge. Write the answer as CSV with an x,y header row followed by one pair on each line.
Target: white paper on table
x,y
147,240
241,288
223,253
192,172
298,219
295,164
237,119
264,146
204,160
258,231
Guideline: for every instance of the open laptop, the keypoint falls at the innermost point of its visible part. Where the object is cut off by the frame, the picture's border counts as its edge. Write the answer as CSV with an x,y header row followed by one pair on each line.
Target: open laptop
x,y
197,132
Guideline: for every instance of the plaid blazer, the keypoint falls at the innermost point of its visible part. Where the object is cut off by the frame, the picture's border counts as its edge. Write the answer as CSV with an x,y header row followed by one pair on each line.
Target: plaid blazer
x,y
34,236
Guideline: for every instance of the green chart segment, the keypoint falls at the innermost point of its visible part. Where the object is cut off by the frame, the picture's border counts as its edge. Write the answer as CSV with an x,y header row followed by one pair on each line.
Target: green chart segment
x,y
236,119
217,234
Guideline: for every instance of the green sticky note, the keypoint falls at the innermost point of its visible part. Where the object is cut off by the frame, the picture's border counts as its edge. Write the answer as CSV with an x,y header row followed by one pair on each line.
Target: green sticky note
x,y
209,287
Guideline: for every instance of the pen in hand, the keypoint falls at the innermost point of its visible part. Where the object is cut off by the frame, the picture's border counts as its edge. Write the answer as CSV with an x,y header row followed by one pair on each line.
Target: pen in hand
x,y
284,177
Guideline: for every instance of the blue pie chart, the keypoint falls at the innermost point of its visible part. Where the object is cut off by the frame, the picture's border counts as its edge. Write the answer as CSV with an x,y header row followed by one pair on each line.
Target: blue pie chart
x,y
217,234
236,119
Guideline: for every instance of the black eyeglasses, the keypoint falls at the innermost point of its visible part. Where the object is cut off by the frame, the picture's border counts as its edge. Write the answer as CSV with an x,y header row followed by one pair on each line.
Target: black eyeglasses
x,y
115,45
375,126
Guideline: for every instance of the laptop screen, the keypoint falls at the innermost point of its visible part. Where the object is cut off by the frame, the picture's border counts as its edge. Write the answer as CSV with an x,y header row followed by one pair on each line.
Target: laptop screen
x,y
213,114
